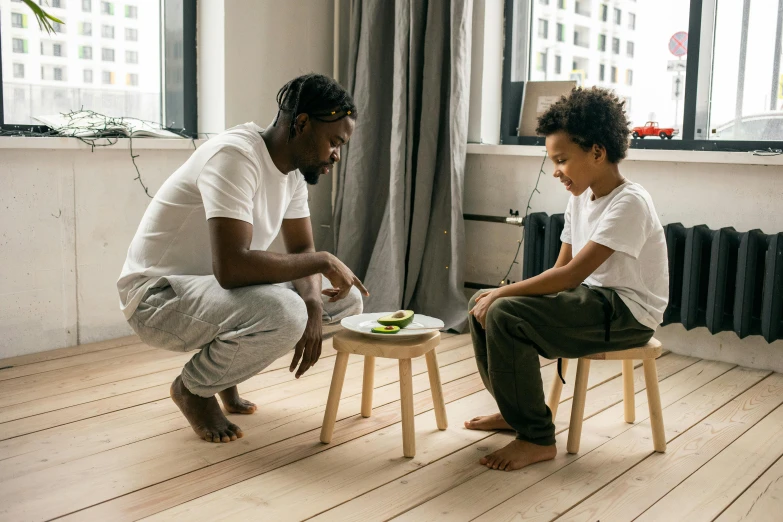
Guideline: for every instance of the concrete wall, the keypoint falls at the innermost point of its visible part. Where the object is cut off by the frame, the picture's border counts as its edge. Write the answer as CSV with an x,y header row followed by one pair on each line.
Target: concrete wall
x,y
66,220
718,195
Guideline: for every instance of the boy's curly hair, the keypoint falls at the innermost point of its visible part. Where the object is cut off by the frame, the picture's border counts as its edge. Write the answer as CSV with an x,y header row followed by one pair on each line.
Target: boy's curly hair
x,y
593,116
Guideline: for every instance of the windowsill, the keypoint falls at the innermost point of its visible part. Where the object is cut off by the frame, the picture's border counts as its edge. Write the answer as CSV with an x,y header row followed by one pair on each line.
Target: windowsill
x,y
61,143
668,156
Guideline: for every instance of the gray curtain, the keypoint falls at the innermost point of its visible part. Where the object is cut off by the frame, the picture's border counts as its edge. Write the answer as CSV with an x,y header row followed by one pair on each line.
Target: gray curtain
x,y
398,210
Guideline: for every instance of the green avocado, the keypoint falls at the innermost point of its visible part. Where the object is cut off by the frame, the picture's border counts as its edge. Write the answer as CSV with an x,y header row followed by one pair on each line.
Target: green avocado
x,y
386,329
401,318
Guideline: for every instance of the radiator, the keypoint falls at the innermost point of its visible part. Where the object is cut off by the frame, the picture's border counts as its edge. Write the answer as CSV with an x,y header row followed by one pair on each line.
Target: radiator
x,y
723,280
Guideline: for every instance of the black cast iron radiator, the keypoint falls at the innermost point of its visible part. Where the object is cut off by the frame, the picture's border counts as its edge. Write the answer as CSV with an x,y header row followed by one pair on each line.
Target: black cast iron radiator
x,y
720,279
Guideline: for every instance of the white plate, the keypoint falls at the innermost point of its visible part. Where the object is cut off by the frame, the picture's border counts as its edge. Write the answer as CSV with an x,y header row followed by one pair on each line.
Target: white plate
x,y
364,323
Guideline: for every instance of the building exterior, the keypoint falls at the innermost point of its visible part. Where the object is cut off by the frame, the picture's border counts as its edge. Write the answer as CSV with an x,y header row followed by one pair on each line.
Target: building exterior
x,y
104,57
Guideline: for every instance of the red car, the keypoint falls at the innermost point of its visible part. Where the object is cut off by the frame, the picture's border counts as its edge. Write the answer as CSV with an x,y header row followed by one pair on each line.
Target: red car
x,y
651,129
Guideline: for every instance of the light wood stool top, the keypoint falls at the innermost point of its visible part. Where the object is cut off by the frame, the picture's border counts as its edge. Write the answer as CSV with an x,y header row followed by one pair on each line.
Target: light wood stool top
x,y
398,348
347,342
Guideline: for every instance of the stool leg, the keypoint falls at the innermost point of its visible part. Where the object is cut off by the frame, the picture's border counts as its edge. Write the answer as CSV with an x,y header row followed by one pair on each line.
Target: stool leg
x,y
367,385
335,390
578,405
628,393
556,390
433,370
654,402
406,402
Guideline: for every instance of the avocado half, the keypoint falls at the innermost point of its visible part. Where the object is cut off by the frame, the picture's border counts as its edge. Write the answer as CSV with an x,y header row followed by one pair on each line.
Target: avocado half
x,y
386,329
401,318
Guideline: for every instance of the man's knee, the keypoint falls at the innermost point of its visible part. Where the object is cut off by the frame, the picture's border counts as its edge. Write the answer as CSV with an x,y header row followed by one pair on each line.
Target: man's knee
x,y
354,302
286,313
472,301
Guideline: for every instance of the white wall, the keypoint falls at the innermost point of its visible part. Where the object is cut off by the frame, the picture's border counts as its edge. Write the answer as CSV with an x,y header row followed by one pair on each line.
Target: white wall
x,y
718,195
249,49
66,220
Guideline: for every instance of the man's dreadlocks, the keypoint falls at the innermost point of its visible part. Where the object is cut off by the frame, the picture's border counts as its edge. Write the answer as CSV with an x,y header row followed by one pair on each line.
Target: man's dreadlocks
x,y
316,95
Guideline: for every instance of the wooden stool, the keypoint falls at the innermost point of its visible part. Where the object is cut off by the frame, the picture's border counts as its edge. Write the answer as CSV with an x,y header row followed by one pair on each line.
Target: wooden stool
x,y
347,342
647,353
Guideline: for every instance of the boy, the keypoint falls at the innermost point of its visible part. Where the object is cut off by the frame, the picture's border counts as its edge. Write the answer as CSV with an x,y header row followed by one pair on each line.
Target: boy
x,y
607,291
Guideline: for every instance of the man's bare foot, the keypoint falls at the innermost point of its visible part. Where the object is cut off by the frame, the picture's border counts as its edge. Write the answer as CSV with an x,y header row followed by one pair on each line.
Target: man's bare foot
x,y
488,423
233,403
517,455
204,415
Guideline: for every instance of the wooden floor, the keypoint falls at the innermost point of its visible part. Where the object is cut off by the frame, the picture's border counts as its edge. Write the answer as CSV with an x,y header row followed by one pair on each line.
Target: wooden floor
x,y
89,433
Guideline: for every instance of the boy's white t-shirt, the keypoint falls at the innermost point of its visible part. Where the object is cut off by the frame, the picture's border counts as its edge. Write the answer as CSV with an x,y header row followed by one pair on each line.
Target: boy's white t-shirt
x,y
625,221
232,175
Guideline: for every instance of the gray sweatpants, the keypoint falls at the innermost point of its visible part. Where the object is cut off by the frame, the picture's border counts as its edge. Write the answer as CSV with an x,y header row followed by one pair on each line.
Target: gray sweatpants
x,y
238,332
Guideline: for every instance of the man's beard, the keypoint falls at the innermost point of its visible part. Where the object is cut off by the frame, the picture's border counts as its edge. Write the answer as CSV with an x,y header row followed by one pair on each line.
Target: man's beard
x,y
312,177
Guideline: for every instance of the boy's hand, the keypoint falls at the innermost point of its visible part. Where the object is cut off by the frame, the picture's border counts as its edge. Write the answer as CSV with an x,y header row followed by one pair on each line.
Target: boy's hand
x,y
483,303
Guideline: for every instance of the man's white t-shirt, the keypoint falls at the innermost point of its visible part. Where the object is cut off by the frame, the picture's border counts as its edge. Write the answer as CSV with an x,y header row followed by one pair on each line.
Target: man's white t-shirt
x,y
232,175
625,221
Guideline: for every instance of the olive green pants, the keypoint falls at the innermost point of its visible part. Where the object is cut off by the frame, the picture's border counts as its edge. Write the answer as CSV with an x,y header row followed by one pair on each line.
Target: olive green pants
x,y
570,324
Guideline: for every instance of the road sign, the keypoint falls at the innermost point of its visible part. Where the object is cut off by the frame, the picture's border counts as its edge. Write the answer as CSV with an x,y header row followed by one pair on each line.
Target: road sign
x,y
678,88
678,44
676,65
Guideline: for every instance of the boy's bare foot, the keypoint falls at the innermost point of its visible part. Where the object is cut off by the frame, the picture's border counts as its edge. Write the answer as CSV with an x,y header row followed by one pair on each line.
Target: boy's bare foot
x,y
488,423
204,415
517,455
233,403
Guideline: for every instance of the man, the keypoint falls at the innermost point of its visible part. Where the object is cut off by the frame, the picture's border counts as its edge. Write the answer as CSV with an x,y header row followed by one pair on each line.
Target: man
x,y
198,276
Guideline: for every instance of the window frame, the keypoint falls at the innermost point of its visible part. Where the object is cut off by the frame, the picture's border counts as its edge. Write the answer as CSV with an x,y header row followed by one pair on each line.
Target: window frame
x,y
697,87
179,99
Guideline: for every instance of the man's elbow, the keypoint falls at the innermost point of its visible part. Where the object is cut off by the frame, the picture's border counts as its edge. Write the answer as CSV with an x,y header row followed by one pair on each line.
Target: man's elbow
x,y
226,277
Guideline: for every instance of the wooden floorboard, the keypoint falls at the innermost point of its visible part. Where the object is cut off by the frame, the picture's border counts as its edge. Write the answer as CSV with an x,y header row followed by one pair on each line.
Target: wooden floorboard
x,y
89,433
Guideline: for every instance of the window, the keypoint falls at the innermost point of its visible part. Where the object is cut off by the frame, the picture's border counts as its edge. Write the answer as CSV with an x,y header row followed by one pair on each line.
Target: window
x,y
58,27
614,74
541,62
629,77
581,36
582,7
54,81
618,16
560,32
558,63
601,72
543,28
561,4
602,42
543,2
19,45
616,45
629,49
631,21
604,12
18,20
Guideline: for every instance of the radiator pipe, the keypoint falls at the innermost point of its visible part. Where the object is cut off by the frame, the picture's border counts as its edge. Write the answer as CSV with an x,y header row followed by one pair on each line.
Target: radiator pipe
x,y
508,220
478,286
